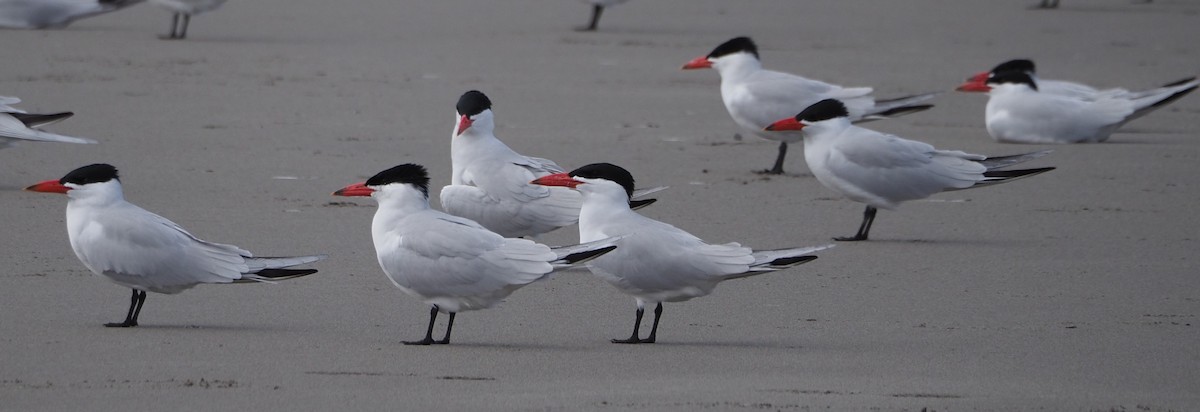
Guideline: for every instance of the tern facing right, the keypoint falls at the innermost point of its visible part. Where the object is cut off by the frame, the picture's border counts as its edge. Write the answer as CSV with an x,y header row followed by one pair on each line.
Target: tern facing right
x,y
146,252
452,263
654,261
883,170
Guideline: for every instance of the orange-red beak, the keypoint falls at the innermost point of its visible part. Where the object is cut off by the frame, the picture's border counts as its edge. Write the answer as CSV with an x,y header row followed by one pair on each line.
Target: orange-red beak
x,y
464,123
557,179
784,125
973,85
979,77
49,186
357,189
698,63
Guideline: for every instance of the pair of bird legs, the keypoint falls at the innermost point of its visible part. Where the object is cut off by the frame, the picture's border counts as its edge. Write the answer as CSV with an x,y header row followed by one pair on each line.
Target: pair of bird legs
x,y
178,32
433,312
868,216
135,309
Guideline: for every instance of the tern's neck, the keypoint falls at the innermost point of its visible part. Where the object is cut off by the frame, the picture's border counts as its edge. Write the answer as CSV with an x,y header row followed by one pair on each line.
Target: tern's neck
x,y
737,66
601,208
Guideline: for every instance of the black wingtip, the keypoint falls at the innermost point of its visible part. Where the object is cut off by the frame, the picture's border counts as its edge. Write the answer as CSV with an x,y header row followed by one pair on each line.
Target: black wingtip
x,y
35,120
587,255
1013,174
1174,97
792,261
904,110
280,274
640,203
1179,82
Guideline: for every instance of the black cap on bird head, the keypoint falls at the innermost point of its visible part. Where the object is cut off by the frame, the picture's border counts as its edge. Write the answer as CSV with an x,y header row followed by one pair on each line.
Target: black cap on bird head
x,y
823,110
735,45
1015,65
607,171
472,103
94,173
408,173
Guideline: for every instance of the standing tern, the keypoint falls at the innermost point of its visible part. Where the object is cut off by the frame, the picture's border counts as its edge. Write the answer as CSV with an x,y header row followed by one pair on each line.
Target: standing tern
x,y
17,125
755,96
654,261
1019,112
490,182
54,14
145,252
452,263
883,170
181,14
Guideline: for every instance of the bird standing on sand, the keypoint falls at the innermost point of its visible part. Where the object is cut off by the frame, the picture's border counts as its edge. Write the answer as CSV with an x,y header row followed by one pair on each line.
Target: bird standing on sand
x,y
883,170
146,252
449,262
654,261
182,11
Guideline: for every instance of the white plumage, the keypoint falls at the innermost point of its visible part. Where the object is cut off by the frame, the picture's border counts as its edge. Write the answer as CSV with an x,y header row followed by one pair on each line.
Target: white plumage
x,y
17,125
54,14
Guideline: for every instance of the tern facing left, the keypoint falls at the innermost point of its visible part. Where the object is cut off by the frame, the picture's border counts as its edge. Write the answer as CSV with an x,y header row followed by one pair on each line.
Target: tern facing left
x,y
1019,112
883,170
654,261
146,252
449,262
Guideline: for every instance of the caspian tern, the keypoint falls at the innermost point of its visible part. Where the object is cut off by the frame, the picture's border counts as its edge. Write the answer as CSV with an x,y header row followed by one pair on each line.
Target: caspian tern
x,y
490,182
977,83
449,262
181,14
755,97
54,14
598,7
1018,112
654,261
883,170
135,248
17,125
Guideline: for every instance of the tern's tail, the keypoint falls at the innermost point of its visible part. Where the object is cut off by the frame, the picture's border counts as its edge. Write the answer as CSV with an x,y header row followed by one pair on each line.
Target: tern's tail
x,y
999,162
900,106
267,269
777,259
1152,100
573,255
995,177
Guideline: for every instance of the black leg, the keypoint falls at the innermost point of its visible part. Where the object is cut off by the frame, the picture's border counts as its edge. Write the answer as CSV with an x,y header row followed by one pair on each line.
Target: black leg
x,y
135,309
187,18
654,329
778,168
446,339
596,11
429,332
637,324
864,229
174,23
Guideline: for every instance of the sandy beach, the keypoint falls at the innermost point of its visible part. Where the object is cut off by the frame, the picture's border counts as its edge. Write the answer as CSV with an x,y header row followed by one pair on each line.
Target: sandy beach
x,y
1073,290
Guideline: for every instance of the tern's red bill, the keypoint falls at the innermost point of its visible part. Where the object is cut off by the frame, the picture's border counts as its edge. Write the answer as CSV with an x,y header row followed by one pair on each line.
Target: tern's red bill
x,y
49,186
357,189
557,179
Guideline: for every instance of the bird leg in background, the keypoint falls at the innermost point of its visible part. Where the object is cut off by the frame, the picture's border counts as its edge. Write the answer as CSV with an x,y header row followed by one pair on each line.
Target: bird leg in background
x,y
446,339
654,329
174,24
135,309
637,324
596,10
187,18
778,168
429,332
864,229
